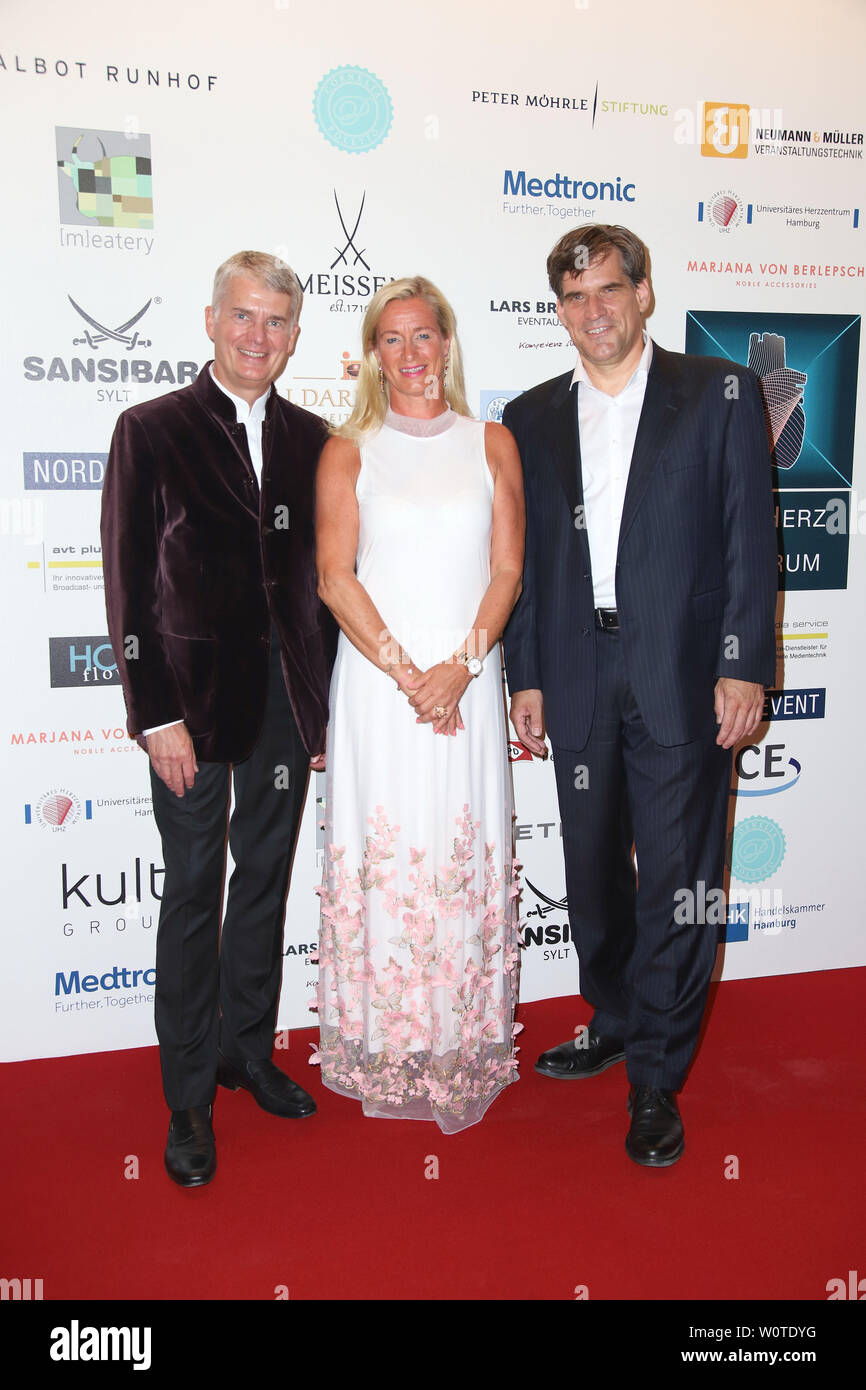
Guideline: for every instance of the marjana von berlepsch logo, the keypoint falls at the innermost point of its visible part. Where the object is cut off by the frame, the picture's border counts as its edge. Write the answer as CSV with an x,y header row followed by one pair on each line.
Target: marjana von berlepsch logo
x,y
352,109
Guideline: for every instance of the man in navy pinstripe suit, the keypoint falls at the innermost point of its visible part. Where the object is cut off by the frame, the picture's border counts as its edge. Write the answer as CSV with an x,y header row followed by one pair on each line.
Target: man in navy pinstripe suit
x,y
642,643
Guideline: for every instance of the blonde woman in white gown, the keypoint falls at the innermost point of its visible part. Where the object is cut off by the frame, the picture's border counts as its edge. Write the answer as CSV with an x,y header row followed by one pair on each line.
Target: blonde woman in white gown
x,y
420,555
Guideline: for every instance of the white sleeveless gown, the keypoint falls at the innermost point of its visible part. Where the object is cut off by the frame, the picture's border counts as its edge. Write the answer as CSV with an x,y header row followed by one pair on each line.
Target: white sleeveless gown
x,y
418,946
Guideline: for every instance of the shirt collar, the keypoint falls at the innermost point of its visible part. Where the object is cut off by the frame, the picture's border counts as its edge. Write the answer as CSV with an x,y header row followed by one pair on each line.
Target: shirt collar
x,y
246,414
642,367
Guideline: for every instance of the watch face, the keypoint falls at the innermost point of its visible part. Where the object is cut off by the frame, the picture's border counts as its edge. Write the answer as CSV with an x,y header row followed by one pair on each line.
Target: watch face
x,y
474,666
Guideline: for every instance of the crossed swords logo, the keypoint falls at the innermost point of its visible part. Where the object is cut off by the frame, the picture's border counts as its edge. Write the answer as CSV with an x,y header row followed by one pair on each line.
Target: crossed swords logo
x,y
116,335
350,237
553,904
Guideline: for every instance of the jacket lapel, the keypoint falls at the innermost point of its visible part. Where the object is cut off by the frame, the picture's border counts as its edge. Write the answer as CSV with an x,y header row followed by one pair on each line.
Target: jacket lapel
x,y
660,408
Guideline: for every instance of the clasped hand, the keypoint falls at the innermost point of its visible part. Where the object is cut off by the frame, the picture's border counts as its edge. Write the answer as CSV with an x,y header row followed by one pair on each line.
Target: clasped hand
x,y
441,687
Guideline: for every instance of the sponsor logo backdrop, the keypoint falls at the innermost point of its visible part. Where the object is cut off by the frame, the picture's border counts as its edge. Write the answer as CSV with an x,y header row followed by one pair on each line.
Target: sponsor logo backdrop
x,y
141,159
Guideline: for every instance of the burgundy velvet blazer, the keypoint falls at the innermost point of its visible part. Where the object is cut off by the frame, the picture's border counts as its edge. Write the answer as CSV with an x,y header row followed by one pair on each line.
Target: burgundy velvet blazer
x,y
197,562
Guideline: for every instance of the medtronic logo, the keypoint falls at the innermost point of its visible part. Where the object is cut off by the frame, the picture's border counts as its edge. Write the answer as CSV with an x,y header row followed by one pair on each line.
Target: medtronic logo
x,y
118,977
560,186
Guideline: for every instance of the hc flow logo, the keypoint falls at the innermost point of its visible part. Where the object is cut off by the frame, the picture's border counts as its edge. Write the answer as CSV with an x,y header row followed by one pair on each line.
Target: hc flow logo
x,y
81,661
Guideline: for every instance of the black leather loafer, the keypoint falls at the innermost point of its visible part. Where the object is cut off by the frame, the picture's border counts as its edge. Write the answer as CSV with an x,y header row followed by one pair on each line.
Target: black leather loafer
x,y
579,1057
269,1087
656,1137
190,1152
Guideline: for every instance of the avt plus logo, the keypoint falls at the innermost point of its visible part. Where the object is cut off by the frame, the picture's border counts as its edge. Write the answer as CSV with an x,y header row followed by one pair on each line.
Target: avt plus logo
x,y
81,661
58,809
104,180
725,130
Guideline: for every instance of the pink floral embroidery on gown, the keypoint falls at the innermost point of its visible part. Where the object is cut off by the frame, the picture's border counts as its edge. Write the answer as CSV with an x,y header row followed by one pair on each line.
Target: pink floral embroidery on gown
x,y
418,946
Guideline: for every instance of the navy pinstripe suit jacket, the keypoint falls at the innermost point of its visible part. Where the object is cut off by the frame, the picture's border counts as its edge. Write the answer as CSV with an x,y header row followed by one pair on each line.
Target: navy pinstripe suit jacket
x,y
697,568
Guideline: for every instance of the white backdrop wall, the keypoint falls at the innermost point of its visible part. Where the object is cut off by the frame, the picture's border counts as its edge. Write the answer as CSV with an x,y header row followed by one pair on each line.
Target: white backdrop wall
x,y
143,146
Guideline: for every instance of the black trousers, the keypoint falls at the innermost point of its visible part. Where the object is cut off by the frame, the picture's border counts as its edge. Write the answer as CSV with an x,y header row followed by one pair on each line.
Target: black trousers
x,y
645,948
219,991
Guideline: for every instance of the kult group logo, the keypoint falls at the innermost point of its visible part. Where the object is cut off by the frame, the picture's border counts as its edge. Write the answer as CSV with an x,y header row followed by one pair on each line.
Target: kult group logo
x,y
104,178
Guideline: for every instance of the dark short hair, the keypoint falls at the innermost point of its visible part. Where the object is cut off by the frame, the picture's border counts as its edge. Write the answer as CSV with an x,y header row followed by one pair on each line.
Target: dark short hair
x,y
580,247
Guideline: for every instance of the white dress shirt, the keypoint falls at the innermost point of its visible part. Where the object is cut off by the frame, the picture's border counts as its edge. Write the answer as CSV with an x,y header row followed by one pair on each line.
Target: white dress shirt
x,y
252,418
608,427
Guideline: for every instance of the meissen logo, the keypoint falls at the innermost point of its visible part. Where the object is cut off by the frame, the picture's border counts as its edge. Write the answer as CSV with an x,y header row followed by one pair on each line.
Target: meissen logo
x,y
350,282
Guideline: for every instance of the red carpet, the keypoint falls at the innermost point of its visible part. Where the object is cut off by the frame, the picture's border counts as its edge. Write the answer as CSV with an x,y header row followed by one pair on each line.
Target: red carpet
x,y
537,1200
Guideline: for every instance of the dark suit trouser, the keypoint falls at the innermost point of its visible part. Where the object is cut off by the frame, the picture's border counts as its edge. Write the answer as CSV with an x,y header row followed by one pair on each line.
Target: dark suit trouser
x,y
221,991
644,969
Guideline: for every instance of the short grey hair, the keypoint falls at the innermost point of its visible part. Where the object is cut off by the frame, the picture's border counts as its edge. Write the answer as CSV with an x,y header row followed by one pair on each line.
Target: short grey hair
x,y
269,270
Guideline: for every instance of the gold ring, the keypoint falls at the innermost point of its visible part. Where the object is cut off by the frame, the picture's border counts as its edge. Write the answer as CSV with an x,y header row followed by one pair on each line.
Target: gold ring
x,y
440,711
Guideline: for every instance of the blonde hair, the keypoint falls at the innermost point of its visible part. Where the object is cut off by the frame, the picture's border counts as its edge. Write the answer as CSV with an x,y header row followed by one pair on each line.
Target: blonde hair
x,y
371,400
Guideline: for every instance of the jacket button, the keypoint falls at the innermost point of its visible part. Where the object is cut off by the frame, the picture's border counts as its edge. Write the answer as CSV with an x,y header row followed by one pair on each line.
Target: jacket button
x,y
585,632
587,576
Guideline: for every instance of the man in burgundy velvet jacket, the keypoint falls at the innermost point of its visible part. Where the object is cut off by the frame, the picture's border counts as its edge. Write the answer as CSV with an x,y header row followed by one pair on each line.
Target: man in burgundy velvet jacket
x,y
224,651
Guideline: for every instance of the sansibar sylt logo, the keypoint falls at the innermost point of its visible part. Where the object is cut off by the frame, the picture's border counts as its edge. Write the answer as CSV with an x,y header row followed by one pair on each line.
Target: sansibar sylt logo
x,y
58,809
352,109
725,133
104,178
756,848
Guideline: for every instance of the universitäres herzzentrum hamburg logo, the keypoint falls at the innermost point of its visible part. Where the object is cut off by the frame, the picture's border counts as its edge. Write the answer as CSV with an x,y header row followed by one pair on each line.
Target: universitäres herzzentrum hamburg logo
x,y
104,178
352,109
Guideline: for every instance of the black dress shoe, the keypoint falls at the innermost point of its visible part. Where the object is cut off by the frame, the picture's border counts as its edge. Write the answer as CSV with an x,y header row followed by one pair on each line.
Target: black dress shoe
x,y
656,1136
581,1057
190,1153
269,1087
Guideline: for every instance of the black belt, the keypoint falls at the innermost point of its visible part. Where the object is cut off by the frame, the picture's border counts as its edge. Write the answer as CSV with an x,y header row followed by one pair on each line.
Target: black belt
x,y
607,619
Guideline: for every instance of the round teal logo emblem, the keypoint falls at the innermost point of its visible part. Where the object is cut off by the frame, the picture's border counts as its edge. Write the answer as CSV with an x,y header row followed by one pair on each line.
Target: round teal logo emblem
x,y
756,848
352,109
